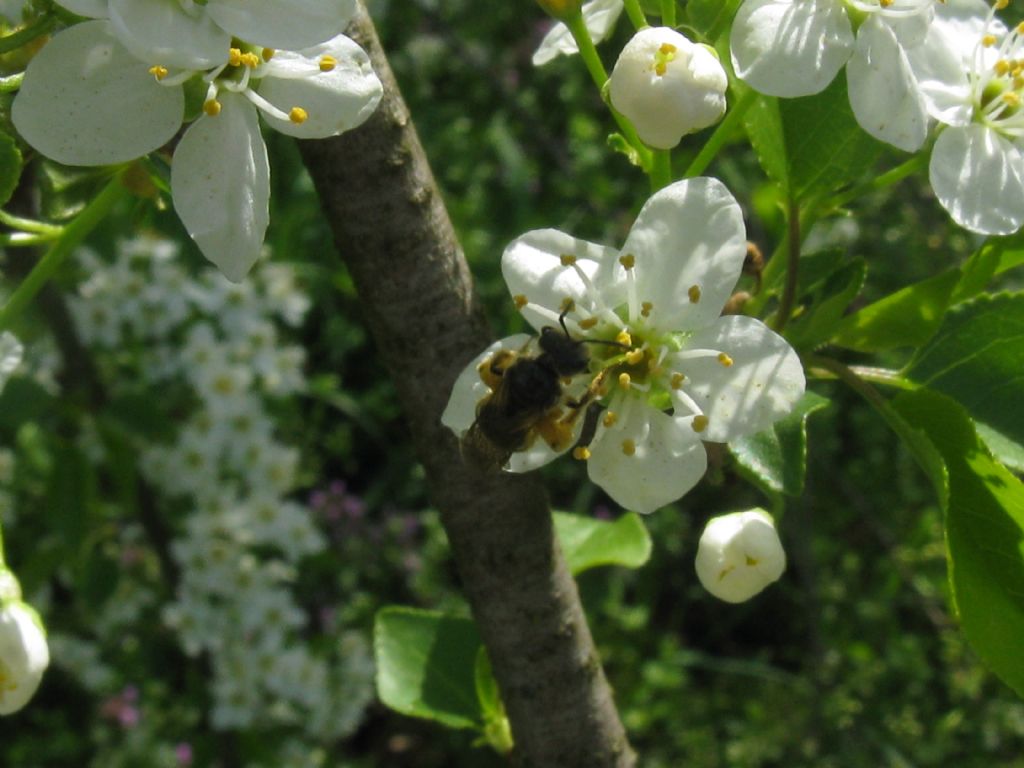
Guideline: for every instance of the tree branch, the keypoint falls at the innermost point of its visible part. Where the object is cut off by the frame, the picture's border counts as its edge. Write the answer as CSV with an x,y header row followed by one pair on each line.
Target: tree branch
x,y
391,227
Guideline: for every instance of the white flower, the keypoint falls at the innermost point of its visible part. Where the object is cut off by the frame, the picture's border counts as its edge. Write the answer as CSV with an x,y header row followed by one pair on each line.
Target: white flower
x,y
87,100
970,69
682,374
796,47
667,86
599,16
24,655
739,554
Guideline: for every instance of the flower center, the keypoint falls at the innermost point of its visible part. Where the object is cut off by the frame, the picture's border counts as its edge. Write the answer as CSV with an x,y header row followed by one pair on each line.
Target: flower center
x,y
664,54
997,79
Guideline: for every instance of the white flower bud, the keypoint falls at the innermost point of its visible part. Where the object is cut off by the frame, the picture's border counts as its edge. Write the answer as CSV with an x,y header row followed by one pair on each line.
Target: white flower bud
x,y
739,554
667,86
24,655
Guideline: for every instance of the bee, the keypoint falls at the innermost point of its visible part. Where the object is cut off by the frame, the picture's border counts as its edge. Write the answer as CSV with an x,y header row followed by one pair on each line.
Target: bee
x,y
526,398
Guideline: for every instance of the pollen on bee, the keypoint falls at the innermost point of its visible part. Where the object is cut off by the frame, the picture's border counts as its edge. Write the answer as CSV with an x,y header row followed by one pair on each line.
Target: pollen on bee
x,y
624,338
677,380
624,380
635,356
327,63
581,453
609,419
567,259
700,423
267,53
628,447
211,107
520,301
298,115
694,294
645,308
158,71
724,359
627,260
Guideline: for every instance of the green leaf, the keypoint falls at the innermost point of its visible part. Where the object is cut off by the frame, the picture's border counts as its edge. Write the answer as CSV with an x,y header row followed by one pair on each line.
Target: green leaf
x,y
816,325
708,16
588,543
977,358
907,318
984,534
763,122
425,665
777,457
10,167
71,493
497,731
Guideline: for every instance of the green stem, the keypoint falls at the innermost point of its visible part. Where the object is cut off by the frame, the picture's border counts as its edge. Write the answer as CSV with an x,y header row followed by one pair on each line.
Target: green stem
x,y
668,13
886,376
27,34
73,234
11,83
636,14
25,239
28,225
600,77
661,169
792,265
887,179
721,135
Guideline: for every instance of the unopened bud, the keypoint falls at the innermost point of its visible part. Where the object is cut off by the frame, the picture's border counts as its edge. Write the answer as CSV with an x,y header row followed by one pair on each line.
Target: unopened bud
x,y
739,554
561,9
24,655
668,86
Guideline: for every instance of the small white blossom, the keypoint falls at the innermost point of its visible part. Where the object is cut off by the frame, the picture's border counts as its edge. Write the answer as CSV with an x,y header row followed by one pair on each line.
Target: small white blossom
x,y
24,654
675,373
599,16
795,48
667,86
739,554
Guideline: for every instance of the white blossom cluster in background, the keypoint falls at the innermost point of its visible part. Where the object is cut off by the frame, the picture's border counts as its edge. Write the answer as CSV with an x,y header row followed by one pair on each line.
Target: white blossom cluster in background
x,y
216,347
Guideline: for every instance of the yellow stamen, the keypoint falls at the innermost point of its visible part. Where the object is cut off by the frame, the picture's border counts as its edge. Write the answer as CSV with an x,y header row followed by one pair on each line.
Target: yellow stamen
x,y
694,294
628,447
1011,98
234,57
267,53
624,338
590,322
988,40
645,309
298,115
581,452
628,260
609,419
251,60
211,107
158,72
1001,4
677,380
568,305
567,259
724,359
635,356
520,301
1002,67
327,63
700,423
624,380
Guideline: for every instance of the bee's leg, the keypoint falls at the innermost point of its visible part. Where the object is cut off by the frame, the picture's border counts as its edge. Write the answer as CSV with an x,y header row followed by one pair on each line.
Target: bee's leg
x,y
493,368
555,430
576,406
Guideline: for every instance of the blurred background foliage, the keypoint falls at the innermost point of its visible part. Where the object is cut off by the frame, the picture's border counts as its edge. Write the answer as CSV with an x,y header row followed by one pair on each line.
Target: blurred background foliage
x,y
852,660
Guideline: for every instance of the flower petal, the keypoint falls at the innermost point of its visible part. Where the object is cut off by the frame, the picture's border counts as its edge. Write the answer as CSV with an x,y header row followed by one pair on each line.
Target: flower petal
x,y
220,182
600,17
790,47
883,91
92,9
978,176
668,459
762,384
24,652
86,100
688,234
158,32
334,101
532,267
469,389
293,25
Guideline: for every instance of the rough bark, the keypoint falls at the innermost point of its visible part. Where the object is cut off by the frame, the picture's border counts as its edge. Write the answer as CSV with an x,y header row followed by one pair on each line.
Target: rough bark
x,y
391,227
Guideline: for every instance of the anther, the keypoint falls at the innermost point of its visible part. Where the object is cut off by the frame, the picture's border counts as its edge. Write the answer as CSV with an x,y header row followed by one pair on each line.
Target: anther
x,y
1001,4
724,359
635,356
628,447
251,60
298,115
700,423
327,63
581,453
234,57
885,3
988,40
624,380
645,309
567,259
158,72
211,107
520,301
694,294
1002,67
627,260
568,305
609,419
588,323
677,380
267,53
624,338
